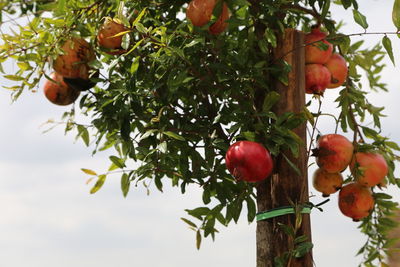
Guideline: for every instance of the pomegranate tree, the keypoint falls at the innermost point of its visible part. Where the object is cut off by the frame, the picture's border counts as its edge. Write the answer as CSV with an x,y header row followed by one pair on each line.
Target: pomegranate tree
x,y
327,183
356,201
369,168
58,92
333,152
248,161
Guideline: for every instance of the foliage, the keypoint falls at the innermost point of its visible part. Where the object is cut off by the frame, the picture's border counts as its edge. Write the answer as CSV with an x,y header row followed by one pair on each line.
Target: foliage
x,y
179,96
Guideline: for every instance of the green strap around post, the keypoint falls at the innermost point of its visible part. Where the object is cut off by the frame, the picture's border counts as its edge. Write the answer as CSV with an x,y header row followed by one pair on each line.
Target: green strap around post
x,y
265,215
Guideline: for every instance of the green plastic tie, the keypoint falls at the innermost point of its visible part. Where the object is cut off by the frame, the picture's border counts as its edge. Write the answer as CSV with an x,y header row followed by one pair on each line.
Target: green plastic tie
x,y
265,215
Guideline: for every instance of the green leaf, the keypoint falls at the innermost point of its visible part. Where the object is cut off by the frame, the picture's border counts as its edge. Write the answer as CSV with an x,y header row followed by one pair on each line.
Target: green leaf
x,y
120,163
387,44
270,100
89,172
174,135
198,239
83,133
190,223
135,65
251,209
396,14
125,184
360,19
99,183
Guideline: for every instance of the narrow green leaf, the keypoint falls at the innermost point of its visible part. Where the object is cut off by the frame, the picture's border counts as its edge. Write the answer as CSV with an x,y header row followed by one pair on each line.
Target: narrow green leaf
x,y
198,239
125,184
174,135
135,65
396,14
360,19
120,163
190,223
387,44
89,172
99,183
270,100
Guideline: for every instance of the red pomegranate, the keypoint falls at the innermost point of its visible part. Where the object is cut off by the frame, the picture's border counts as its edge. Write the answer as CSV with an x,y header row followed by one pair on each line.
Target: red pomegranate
x,y
327,183
333,152
369,169
318,50
318,78
108,37
58,92
73,63
337,66
356,201
248,161
199,12
220,25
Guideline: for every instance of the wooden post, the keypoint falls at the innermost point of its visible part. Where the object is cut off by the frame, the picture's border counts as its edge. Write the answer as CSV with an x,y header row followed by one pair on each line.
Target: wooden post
x,y
285,185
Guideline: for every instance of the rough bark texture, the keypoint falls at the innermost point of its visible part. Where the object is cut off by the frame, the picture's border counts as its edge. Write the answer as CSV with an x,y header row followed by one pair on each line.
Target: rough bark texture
x,y
285,185
394,251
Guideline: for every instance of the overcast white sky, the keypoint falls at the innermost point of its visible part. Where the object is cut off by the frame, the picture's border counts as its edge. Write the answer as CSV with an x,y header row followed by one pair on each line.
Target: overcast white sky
x,y
48,218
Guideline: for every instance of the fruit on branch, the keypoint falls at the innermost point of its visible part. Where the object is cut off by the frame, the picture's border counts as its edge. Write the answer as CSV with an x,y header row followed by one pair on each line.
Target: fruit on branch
x,y
317,78
317,48
327,183
337,66
199,12
334,152
73,63
58,92
248,161
110,36
356,201
220,25
369,168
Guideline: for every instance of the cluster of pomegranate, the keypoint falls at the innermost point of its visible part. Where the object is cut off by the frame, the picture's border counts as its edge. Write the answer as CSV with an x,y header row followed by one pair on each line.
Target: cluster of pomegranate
x,y
248,161
199,12
334,153
324,68
72,72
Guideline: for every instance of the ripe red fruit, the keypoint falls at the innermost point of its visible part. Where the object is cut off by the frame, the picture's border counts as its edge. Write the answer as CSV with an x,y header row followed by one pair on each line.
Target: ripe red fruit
x,y
248,161
333,152
199,12
74,62
337,66
327,183
318,78
317,49
220,25
107,38
59,92
369,169
355,201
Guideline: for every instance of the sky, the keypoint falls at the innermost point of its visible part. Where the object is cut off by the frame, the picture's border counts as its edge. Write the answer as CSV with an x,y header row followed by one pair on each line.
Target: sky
x,y
48,218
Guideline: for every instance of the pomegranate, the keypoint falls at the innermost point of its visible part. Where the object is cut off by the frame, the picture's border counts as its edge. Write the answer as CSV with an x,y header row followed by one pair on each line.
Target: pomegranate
x,y
318,78
220,25
369,169
107,38
58,92
333,152
327,183
317,49
248,161
199,12
356,201
73,63
337,66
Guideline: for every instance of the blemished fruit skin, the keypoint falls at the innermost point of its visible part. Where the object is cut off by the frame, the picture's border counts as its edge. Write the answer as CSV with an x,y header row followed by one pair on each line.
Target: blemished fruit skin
x,y
248,161
317,78
220,25
334,152
74,62
372,168
337,66
327,183
106,36
199,12
314,52
59,92
356,201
